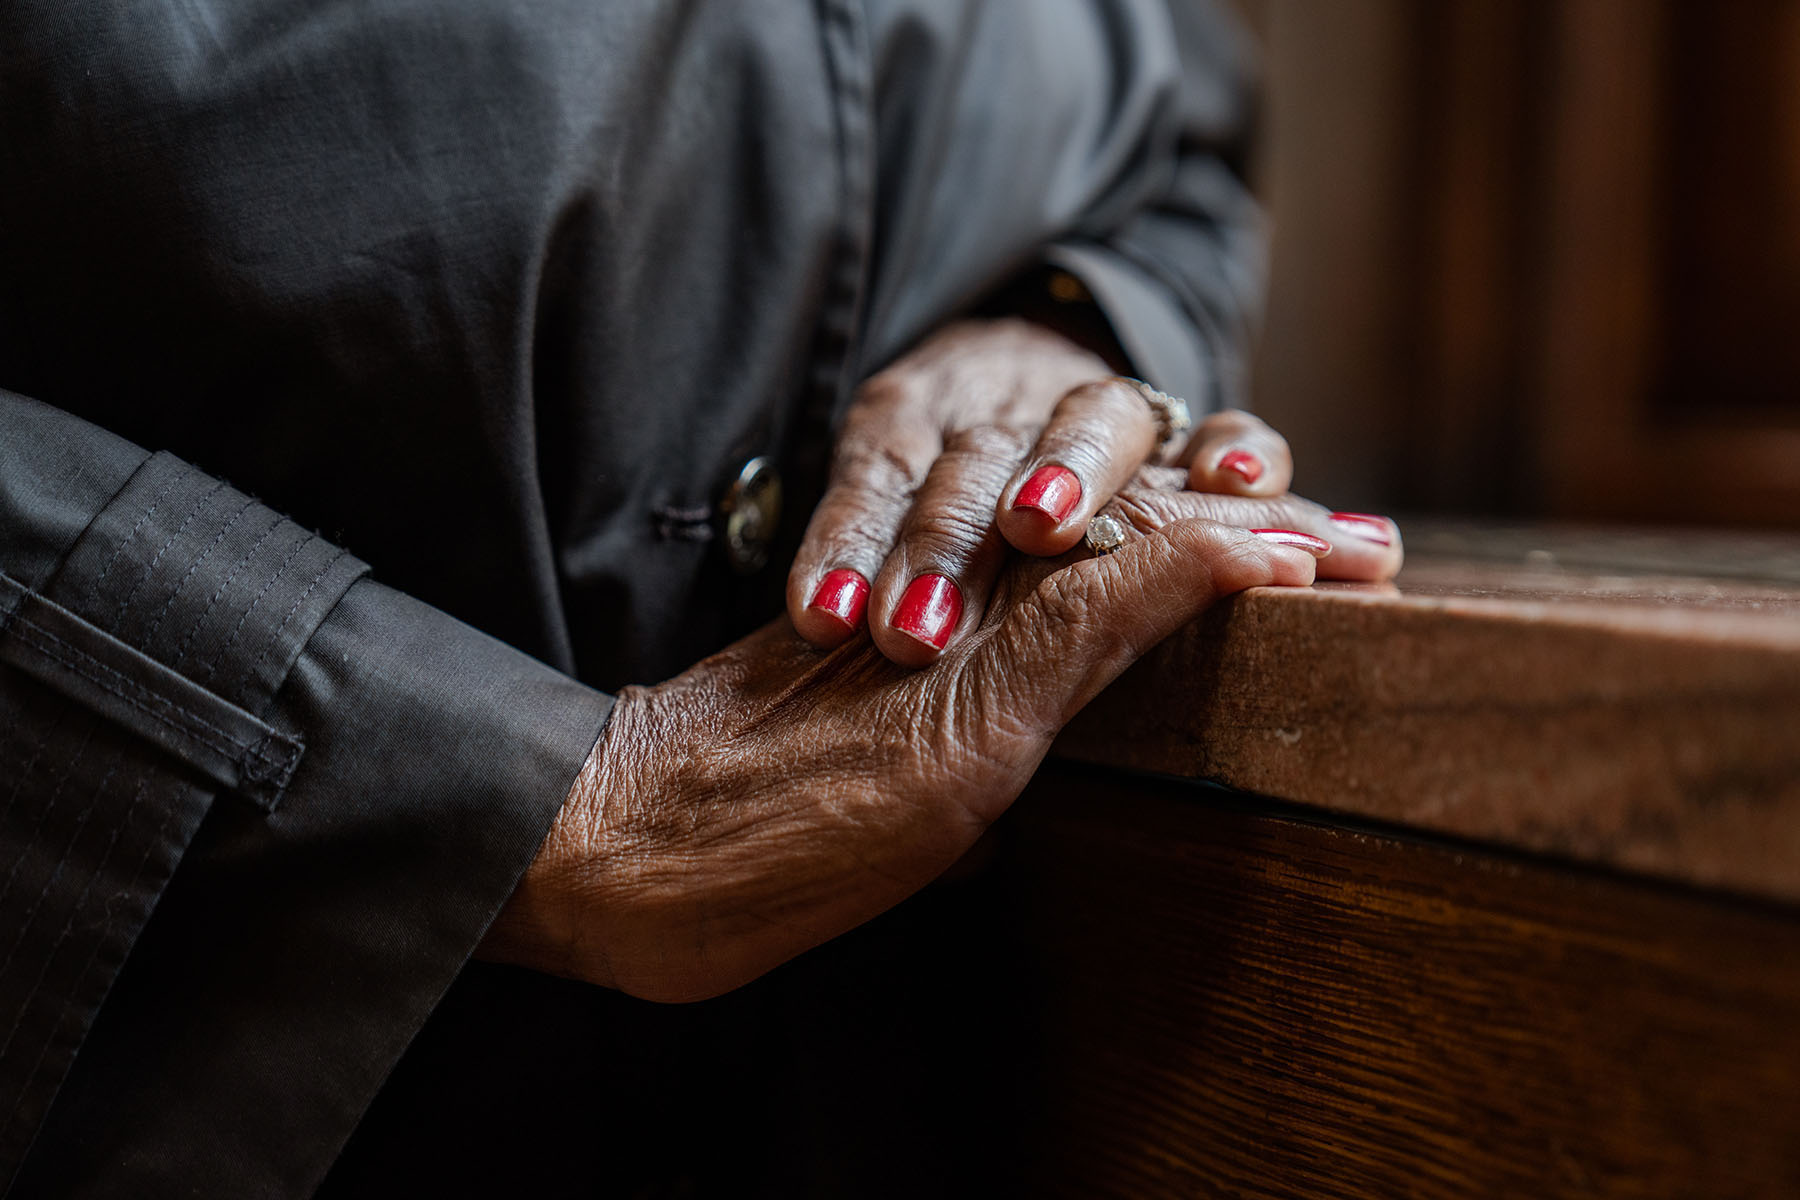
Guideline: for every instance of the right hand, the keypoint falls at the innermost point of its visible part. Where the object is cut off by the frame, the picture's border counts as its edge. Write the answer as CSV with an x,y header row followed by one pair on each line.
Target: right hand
x,y
931,484
775,796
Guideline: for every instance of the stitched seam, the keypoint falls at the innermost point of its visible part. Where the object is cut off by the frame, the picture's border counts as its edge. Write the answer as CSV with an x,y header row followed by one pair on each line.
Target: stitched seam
x,y
188,642
231,748
192,567
164,549
61,862
37,752
275,638
18,710
161,495
112,844
88,966
280,571
49,808
229,742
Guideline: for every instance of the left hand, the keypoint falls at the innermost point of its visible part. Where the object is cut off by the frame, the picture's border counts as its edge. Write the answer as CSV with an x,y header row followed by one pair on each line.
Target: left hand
x,y
1003,434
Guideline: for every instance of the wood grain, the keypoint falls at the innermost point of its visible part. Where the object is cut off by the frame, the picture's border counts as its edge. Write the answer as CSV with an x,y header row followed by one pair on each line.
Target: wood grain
x,y
1636,721
1234,1003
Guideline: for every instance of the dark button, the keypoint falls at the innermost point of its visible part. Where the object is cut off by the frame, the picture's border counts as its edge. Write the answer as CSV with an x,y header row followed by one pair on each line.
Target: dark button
x,y
752,512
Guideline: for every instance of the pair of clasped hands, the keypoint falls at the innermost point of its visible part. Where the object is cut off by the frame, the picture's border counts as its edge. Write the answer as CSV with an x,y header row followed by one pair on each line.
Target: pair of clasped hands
x,y
944,621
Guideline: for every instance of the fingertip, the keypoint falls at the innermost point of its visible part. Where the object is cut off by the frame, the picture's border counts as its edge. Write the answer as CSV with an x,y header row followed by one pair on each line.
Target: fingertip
x,y
836,609
1042,517
1036,535
1234,470
1243,464
1368,527
1050,494
924,619
1290,566
1367,548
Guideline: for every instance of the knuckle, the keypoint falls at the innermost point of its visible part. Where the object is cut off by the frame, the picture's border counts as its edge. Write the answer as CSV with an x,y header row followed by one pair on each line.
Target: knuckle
x,y
1111,393
851,546
1236,565
1148,510
989,441
871,471
1060,602
883,392
950,530
1086,445
1059,610
1152,477
1120,395
1233,560
1104,404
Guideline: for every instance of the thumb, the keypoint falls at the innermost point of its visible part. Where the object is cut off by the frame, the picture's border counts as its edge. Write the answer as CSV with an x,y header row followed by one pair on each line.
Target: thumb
x,y
1086,622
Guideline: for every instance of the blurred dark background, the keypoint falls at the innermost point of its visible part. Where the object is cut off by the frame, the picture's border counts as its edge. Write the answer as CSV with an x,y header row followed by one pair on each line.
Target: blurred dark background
x,y
1536,258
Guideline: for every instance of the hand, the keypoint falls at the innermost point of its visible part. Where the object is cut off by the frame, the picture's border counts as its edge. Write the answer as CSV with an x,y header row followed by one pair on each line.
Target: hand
x,y
998,434
773,797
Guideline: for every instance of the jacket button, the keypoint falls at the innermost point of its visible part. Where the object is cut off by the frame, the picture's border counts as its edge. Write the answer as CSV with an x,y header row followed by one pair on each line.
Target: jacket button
x,y
751,511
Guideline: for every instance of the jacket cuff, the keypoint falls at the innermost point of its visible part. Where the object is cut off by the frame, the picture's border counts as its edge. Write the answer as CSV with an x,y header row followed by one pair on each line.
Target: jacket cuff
x,y
298,946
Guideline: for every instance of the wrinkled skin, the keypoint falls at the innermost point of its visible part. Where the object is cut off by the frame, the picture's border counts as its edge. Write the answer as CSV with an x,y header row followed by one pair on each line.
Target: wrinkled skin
x,y
773,796
936,448
779,793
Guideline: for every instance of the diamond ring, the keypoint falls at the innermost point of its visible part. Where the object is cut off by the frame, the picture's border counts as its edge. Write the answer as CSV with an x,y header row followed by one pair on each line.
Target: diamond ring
x,y
1105,534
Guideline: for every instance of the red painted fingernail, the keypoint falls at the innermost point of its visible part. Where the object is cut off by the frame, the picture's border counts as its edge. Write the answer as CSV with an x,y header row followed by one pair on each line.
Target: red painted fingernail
x,y
1317,547
929,610
1364,526
1053,491
842,594
1243,464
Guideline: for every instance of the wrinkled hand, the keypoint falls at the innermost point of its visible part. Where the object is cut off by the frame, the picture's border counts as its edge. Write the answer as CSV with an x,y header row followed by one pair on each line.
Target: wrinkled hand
x,y
773,797
994,436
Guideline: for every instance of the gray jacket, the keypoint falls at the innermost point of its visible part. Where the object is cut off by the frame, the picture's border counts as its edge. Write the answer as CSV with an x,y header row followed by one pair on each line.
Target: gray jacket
x,y
387,363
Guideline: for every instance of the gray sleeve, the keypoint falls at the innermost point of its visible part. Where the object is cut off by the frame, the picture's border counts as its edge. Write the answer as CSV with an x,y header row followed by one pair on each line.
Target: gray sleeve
x,y
256,811
1105,138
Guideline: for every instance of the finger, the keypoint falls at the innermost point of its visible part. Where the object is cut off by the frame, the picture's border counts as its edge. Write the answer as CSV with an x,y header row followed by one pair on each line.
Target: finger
x,y
1095,441
1362,547
1086,622
935,585
1237,454
882,454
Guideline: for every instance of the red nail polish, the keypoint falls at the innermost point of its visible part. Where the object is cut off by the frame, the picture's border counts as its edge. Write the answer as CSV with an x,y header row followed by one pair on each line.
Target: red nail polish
x,y
1317,547
1243,464
929,610
1053,491
843,594
1364,526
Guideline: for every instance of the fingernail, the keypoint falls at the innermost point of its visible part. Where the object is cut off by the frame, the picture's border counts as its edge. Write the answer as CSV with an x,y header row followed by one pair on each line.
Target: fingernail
x,y
1364,526
1053,491
929,610
1317,547
843,594
1243,464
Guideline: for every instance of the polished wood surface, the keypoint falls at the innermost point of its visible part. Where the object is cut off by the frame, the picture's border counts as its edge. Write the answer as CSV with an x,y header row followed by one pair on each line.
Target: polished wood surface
x,y
1232,1001
1621,701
